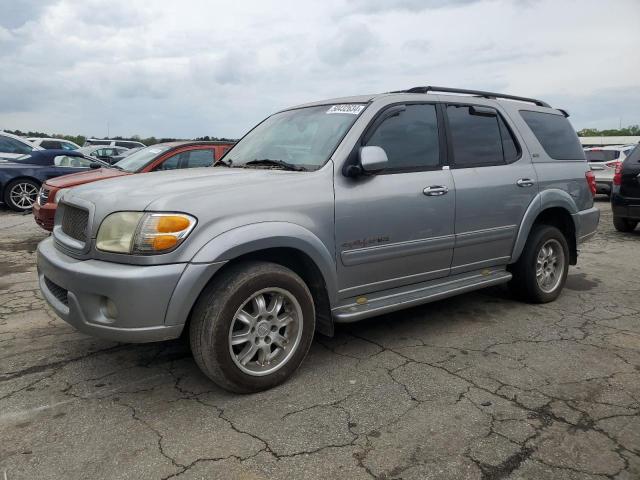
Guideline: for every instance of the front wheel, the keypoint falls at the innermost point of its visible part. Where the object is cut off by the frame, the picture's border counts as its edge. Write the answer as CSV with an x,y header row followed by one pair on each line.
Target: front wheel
x,y
624,224
252,326
541,272
21,194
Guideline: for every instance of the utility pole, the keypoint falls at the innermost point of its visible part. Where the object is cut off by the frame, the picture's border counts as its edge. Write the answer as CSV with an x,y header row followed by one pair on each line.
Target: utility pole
x,y
108,129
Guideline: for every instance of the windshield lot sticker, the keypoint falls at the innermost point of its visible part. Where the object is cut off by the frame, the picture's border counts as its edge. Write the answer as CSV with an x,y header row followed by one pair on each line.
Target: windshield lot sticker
x,y
351,108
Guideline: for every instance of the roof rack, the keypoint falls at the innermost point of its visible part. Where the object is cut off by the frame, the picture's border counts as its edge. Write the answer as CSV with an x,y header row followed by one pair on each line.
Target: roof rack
x,y
478,93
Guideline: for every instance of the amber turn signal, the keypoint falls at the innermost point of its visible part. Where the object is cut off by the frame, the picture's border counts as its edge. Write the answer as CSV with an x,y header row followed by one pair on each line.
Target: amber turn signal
x,y
172,223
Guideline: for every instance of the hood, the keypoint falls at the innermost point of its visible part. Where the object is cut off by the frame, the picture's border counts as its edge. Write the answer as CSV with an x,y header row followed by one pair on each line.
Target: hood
x,y
88,176
179,190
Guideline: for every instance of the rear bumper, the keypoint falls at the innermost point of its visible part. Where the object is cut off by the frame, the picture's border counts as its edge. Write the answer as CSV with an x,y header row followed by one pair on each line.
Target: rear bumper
x,y
45,214
625,207
586,222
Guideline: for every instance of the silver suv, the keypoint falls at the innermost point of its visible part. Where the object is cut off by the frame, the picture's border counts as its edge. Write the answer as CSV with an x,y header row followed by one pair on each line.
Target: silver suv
x,y
324,213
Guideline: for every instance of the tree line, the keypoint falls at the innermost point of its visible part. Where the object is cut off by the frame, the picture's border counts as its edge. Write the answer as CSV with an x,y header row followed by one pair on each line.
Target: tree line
x,y
80,139
630,131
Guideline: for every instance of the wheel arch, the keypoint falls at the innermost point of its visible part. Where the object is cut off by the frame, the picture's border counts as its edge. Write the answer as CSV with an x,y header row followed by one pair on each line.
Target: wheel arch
x,y
551,207
286,244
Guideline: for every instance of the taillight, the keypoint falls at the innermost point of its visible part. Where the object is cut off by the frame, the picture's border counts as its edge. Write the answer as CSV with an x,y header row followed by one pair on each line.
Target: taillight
x,y
591,181
617,176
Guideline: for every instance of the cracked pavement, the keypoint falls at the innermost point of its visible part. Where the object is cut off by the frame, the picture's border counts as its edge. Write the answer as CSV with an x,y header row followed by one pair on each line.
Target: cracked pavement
x,y
475,387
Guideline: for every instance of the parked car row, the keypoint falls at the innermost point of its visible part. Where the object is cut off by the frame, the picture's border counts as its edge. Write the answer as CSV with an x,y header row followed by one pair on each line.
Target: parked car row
x,y
26,166
603,162
329,212
159,157
21,178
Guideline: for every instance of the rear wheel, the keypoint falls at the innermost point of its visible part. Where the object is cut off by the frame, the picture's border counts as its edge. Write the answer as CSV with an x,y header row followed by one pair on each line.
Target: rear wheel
x,y
624,224
252,326
21,194
541,272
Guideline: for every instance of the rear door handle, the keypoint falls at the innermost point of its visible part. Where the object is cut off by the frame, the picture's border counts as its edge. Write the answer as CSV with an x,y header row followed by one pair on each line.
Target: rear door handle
x,y
435,190
525,182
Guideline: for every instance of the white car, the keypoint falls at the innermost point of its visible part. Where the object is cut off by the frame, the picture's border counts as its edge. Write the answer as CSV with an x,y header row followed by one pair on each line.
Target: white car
x,y
12,146
54,143
603,162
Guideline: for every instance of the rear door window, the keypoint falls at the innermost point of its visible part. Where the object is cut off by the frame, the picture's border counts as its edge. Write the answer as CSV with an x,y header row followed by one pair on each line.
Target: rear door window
x,y
479,140
555,134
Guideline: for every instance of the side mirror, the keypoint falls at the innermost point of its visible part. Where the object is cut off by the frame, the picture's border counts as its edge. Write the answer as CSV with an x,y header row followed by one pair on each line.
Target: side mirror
x,y
95,165
373,159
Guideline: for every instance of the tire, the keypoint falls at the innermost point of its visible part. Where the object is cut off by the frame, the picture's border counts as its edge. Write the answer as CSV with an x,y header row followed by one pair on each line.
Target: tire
x,y
15,191
525,282
624,224
226,307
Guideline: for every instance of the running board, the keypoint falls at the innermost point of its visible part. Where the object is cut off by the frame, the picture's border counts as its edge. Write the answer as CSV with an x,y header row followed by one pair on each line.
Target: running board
x,y
358,308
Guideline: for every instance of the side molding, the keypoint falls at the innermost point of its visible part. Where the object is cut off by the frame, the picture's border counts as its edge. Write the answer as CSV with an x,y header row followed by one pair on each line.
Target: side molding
x,y
260,236
550,198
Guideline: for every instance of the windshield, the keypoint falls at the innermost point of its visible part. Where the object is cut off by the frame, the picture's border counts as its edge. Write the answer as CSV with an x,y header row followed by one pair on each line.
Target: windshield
x,y
140,159
304,137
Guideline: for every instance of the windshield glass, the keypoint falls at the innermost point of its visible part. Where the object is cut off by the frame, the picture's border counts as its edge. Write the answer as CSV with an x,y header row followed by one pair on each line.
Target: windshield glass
x,y
138,160
304,137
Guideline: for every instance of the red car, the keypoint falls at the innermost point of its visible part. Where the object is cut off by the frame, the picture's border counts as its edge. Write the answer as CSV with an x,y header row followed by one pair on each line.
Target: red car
x,y
162,156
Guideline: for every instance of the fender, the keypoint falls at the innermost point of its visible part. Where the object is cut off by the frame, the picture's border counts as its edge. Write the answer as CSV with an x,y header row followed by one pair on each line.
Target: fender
x,y
259,236
549,198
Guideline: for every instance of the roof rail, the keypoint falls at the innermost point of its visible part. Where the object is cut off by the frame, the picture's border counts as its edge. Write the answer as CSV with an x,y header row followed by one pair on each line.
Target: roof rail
x,y
478,93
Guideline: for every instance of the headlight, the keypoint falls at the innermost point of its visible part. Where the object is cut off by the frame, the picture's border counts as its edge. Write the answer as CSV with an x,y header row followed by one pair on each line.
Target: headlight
x,y
59,194
143,233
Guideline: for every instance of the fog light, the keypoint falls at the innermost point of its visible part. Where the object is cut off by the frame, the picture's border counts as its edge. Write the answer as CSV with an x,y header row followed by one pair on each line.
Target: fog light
x,y
109,308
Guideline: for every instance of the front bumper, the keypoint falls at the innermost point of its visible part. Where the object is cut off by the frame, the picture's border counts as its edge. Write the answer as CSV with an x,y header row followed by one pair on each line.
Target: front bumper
x,y
45,214
586,222
79,291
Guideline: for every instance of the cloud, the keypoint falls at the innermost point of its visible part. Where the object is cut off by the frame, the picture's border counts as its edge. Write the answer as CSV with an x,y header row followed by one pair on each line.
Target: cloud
x,y
346,44
16,13
377,6
191,68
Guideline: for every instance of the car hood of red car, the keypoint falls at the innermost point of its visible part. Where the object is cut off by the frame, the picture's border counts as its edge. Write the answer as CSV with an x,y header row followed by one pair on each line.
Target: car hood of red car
x,y
89,176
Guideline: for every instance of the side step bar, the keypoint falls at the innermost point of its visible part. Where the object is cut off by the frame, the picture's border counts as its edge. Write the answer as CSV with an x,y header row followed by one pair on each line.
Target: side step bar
x,y
361,307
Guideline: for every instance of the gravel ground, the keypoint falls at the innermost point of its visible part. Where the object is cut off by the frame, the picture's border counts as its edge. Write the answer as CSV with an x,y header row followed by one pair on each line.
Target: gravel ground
x,y
479,387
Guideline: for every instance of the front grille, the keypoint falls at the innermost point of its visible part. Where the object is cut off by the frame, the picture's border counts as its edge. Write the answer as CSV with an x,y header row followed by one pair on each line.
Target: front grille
x,y
57,291
43,196
74,222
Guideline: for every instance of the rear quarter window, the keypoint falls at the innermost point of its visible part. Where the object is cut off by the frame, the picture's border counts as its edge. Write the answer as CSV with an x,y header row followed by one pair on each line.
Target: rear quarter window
x,y
555,134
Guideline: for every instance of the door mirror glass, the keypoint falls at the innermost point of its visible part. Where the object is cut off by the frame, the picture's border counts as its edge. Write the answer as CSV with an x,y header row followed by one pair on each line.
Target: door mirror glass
x,y
373,159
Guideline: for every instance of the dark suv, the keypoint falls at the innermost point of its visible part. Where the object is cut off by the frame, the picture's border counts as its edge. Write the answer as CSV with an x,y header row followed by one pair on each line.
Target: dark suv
x,y
625,199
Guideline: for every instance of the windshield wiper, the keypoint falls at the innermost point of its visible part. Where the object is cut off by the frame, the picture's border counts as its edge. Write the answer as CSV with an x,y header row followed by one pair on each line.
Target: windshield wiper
x,y
277,163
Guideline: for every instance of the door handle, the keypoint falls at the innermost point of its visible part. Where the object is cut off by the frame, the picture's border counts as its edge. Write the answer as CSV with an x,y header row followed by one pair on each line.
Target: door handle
x,y
435,190
525,182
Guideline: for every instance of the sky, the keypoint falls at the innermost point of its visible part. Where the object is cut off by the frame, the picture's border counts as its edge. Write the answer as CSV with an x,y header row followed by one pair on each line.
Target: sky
x,y
190,68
